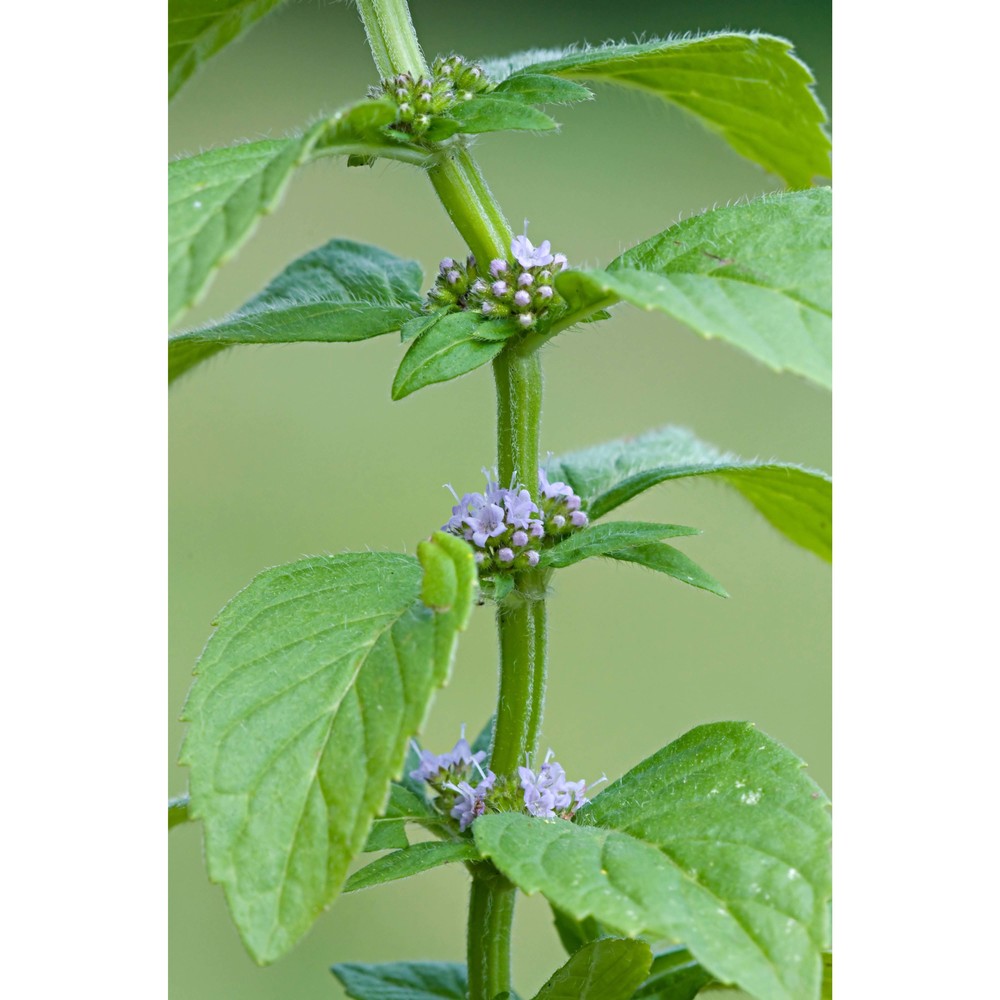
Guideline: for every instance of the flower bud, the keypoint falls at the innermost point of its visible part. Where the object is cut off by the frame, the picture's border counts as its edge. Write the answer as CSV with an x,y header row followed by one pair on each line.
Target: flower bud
x,y
544,292
505,555
498,267
499,288
526,319
524,279
522,298
520,539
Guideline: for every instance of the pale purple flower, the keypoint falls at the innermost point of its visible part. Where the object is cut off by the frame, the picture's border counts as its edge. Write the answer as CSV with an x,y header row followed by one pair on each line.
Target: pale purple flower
x,y
559,521
499,288
524,279
506,555
453,277
479,286
545,292
522,298
552,490
528,255
537,528
532,556
520,507
526,319
471,802
560,261
578,519
486,523
446,265
430,765
519,538
486,308
548,794
498,267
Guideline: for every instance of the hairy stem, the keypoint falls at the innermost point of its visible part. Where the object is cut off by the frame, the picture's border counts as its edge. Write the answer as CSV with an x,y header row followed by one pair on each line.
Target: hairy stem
x,y
521,622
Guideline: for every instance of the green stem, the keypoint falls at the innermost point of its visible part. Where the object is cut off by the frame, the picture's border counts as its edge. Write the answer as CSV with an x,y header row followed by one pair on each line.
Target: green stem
x,y
391,37
491,914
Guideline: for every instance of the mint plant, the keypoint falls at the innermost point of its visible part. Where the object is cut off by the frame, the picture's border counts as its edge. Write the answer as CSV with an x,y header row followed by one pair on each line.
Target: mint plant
x,y
708,861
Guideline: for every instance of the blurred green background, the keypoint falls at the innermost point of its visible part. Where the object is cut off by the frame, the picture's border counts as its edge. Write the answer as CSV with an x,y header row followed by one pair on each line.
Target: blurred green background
x,y
281,452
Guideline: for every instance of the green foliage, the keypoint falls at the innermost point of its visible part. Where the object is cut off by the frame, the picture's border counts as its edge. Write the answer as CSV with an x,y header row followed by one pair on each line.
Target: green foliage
x,y
573,933
342,291
197,29
749,88
607,539
674,975
718,840
494,114
388,831
608,969
666,559
542,89
177,811
795,500
409,861
403,981
448,348
756,275
316,677
216,200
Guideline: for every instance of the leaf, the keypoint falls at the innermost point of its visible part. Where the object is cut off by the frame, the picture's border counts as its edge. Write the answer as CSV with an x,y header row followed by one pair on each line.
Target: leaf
x,y
494,114
757,275
674,975
448,349
827,991
305,697
414,327
608,969
484,740
386,835
197,29
216,200
718,840
605,539
177,811
411,860
403,980
542,89
573,933
795,500
340,292
749,88
668,560
404,806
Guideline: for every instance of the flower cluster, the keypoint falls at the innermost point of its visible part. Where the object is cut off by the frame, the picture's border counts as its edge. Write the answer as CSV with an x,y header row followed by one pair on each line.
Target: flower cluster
x,y
521,287
452,81
508,528
545,793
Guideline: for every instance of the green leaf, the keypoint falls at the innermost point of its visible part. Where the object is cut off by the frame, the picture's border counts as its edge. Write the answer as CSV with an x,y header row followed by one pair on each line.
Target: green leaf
x,y
340,292
216,200
749,88
674,975
484,740
412,328
608,969
542,89
573,933
448,349
795,500
403,980
605,539
177,811
494,114
827,991
411,860
305,697
757,275
668,560
197,29
718,840
404,806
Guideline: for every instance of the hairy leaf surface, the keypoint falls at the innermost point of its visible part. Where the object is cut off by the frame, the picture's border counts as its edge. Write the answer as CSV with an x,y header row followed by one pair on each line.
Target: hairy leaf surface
x,y
606,539
666,559
403,980
449,348
404,806
411,860
306,695
197,29
542,89
719,840
756,275
674,975
341,291
795,500
608,969
495,114
748,88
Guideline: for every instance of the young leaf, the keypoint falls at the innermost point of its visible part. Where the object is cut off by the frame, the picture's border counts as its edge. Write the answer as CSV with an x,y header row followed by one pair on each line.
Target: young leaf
x,y
718,840
412,328
667,559
484,740
573,933
403,980
607,539
404,806
386,835
411,860
541,89
448,349
316,677
757,275
494,114
342,291
197,29
674,975
216,200
608,969
795,500
177,811
749,88
827,992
